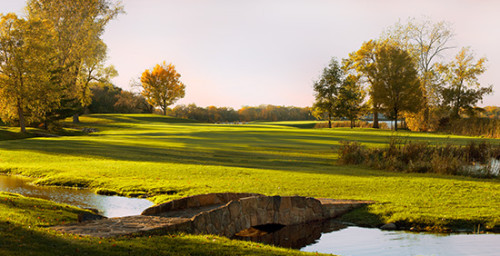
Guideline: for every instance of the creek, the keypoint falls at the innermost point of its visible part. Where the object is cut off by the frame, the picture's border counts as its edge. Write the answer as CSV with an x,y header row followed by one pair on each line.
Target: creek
x,y
109,206
325,237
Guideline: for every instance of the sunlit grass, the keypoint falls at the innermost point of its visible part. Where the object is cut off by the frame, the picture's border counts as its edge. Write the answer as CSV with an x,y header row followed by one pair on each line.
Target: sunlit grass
x,y
147,155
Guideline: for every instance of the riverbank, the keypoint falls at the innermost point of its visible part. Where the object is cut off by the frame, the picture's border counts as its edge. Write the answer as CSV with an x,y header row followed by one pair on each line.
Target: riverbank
x,y
165,158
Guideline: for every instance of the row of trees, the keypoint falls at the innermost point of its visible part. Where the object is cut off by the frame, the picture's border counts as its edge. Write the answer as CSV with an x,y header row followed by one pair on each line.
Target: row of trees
x,y
402,74
50,59
224,114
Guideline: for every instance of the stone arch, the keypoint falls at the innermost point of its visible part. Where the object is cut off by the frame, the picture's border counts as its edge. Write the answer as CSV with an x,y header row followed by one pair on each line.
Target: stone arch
x,y
247,212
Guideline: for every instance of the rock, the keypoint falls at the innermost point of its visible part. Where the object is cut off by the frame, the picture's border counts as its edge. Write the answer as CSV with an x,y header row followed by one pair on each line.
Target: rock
x,y
389,226
89,130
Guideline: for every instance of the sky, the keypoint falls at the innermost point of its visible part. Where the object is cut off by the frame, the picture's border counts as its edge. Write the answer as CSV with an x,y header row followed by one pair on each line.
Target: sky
x,y
245,53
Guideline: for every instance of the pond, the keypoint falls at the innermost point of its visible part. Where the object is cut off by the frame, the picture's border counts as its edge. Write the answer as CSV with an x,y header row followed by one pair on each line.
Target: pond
x,y
335,237
109,206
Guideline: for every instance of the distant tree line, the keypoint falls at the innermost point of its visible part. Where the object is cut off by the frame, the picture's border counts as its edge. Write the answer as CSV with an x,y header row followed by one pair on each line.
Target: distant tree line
x,y
245,114
405,77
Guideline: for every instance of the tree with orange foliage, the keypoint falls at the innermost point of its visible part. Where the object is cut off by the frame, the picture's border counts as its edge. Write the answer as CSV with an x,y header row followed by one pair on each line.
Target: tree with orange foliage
x,y
162,86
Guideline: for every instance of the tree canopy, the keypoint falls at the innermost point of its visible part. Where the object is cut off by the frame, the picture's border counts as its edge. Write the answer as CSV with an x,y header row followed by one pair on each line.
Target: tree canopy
x,y
162,86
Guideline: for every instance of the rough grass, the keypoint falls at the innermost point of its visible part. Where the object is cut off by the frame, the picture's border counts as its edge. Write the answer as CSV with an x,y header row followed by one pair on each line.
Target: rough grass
x,y
165,158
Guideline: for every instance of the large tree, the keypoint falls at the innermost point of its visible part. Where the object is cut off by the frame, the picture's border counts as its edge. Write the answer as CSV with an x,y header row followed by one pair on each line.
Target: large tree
x,y
362,62
26,94
426,41
396,85
461,89
162,86
326,90
78,26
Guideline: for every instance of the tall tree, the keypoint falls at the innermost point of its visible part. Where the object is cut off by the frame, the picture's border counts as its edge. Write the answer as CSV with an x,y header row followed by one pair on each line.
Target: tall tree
x,y
162,86
362,62
78,25
426,41
25,58
396,84
327,88
462,89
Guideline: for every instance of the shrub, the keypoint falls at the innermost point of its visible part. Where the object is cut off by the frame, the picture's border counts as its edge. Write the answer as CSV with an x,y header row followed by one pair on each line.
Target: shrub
x,y
478,160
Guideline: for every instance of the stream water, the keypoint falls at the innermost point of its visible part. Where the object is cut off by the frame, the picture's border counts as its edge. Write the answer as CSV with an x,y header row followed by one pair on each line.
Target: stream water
x,y
109,206
325,237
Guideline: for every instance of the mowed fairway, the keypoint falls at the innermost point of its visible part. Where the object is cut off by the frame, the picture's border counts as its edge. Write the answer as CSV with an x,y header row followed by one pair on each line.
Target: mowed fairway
x,y
165,158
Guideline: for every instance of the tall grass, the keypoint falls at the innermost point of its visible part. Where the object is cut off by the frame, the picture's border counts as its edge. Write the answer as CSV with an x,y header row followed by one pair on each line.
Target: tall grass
x,y
484,127
474,159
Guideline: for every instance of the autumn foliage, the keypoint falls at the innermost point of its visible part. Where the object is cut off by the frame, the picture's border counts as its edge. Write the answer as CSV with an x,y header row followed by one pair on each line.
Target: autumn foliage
x,y
162,86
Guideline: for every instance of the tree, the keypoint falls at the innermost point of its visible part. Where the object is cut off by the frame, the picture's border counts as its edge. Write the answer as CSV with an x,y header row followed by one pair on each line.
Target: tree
x,y
327,89
78,26
25,57
162,86
362,62
426,41
396,85
350,99
462,89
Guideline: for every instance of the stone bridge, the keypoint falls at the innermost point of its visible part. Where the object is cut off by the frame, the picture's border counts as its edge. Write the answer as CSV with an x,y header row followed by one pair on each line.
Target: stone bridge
x,y
223,214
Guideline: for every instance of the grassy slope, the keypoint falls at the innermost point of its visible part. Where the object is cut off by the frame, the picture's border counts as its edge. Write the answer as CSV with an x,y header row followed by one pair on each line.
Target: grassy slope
x,y
152,156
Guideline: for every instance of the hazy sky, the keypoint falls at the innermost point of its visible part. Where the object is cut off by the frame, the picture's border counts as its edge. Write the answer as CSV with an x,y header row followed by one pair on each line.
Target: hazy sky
x,y
235,53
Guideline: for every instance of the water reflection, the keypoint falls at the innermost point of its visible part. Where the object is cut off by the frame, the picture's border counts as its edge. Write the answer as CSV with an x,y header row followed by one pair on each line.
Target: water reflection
x,y
295,236
109,206
357,241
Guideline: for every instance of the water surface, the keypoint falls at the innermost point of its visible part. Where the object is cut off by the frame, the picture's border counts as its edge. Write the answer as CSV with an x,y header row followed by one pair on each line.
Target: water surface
x,y
109,206
357,241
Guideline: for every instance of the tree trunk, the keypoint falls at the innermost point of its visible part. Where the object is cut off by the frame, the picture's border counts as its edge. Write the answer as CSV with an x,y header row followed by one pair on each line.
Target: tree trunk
x,y
395,120
76,118
352,123
375,119
20,114
329,120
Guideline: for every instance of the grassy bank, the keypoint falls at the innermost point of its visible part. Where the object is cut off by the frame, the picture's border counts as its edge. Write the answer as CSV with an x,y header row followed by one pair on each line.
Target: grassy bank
x,y
23,231
165,158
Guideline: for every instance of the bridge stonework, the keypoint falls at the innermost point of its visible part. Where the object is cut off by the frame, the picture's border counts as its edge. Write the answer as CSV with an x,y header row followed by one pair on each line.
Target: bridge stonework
x,y
220,214
232,213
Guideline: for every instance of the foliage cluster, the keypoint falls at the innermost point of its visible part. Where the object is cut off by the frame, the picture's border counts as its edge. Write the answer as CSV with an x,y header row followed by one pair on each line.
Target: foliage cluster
x,y
404,77
112,99
473,159
214,114
50,58
162,86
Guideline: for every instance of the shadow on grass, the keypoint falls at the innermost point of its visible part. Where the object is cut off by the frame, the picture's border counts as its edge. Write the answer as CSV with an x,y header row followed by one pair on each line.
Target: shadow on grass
x,y
290,149
362,217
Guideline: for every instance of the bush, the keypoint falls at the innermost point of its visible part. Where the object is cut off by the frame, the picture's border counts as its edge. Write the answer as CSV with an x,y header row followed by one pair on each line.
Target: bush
x,y
477,160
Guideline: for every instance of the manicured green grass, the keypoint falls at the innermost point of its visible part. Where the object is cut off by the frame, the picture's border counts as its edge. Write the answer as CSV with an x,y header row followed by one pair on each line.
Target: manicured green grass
x,y
165,158
23,231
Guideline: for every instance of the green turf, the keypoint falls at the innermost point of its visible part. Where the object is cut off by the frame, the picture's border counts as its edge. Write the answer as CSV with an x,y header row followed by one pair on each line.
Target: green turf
x,y
164,158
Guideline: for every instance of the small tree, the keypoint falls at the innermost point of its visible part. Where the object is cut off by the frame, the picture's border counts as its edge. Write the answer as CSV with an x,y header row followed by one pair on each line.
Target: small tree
x,y
350,99
162,86
327,89
462,89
